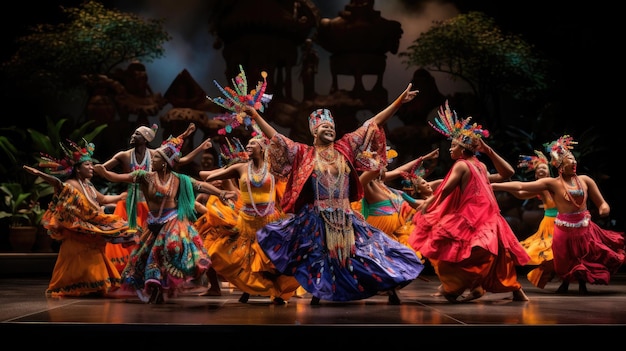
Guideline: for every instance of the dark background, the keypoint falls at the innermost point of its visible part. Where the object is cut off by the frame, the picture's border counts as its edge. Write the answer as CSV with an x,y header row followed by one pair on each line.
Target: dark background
x,y
582,38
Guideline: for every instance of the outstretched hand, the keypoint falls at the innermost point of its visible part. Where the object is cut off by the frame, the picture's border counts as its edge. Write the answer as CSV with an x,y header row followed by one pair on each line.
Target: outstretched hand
x,y
432,155
408,94
207,144
31,170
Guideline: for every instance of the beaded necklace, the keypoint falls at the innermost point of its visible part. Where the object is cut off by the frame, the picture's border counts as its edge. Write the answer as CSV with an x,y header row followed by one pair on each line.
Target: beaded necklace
x,y
569,194
163,189
325,156
257,177
145,163
339,231
258,184
91,195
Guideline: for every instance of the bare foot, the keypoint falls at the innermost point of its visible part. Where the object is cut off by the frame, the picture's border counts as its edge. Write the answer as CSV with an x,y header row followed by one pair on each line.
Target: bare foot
x,y
519,295
474,294
439,292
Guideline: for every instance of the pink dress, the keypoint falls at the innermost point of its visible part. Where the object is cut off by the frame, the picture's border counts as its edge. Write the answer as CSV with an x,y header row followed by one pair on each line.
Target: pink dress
x,y
584,251
467,240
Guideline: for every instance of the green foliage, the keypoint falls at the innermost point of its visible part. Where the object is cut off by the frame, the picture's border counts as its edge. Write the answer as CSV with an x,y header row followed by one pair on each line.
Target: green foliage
x,y
52,58
21,206
471,47
49,142
21,191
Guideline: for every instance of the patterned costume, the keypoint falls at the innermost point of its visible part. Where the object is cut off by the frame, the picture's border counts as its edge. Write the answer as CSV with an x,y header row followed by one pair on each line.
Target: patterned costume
x,y
238,257
330,249
119,254
82,268
170,252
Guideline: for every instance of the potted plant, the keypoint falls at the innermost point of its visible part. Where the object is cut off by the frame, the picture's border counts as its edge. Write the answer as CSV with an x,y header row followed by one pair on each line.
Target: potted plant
x,y
22,209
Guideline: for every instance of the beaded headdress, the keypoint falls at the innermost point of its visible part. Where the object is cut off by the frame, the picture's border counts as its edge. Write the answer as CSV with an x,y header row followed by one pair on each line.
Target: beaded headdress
x,y
238,97
148,133
411,178
530,163
73,154
318,117
560,148
232,152
466,134
170,150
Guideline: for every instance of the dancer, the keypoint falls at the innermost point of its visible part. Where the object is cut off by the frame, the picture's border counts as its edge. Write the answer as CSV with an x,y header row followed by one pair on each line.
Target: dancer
x,y
385,207
583,251
170,252
139,157
329,248
459,229
76,218
238,257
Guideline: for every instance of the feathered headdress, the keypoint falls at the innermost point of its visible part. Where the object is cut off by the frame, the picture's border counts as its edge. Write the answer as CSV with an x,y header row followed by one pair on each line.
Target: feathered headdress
x,y
462,131
560,148
237,97
411,178
530,163
232,152
72,154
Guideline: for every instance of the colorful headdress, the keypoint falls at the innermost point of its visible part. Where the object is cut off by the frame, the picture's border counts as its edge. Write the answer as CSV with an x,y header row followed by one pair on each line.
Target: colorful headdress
x,y
148,133
560,148
237,97
318,117
73,154
530,163
411,178
462,131
232,152
170,150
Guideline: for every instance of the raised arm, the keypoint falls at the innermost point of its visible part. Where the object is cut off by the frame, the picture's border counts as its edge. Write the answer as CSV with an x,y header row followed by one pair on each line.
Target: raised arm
x,y
195,152
504,169
56,183
190,129
266,128
406,96
397,172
